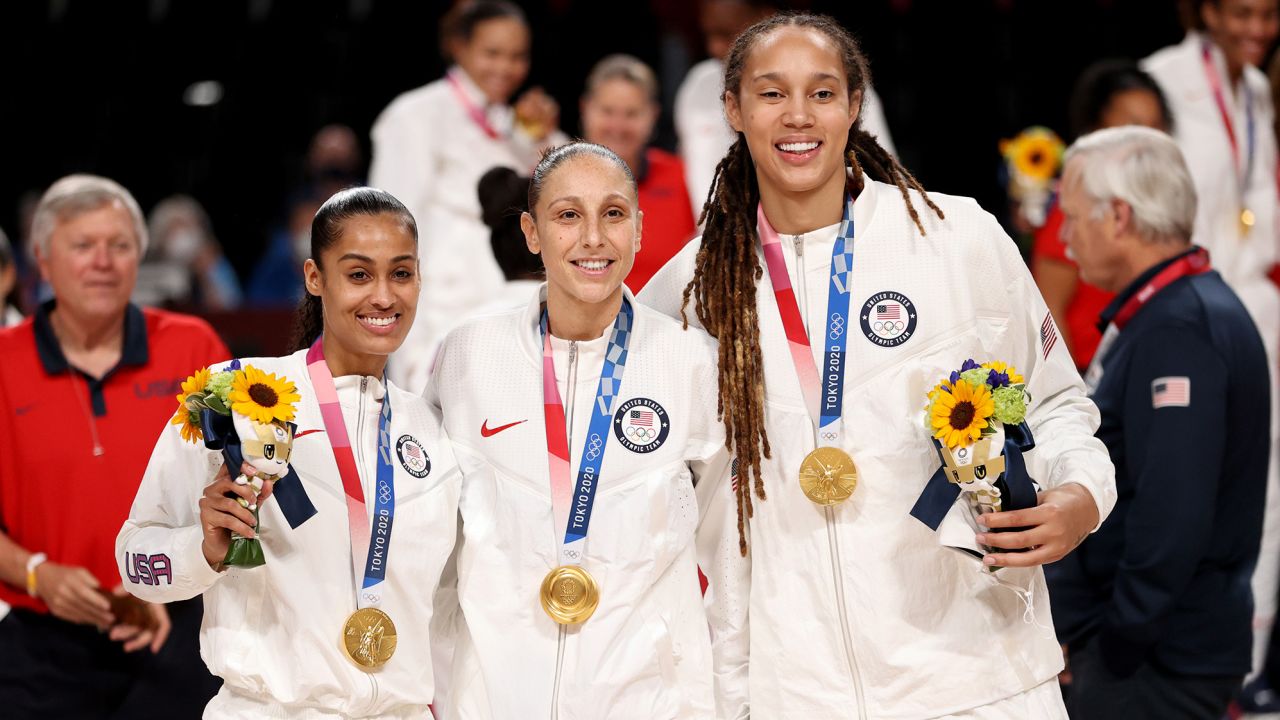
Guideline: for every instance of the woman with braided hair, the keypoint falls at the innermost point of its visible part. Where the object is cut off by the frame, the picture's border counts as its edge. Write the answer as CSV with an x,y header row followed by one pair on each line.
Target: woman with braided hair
x,y
856,609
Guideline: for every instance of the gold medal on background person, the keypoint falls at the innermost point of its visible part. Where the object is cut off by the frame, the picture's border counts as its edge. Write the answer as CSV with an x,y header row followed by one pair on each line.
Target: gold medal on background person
x,y
369,638
828,476
1247,220
569,595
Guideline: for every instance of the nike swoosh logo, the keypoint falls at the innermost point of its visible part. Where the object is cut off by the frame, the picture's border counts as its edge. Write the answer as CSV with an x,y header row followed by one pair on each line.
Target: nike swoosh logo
x,y
486,431
305,432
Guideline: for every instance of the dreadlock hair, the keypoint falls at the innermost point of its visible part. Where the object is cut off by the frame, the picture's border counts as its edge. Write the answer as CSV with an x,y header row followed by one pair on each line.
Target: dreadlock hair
x,y
727,267
326,229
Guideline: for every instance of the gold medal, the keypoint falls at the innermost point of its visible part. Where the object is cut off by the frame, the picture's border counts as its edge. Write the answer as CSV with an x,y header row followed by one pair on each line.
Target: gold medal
x,y
828,476
369,638
1247,219
569,595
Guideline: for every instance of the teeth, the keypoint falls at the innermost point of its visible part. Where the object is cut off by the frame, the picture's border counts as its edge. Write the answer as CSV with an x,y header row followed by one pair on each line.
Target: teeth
x,y
797,147
379,322
592,264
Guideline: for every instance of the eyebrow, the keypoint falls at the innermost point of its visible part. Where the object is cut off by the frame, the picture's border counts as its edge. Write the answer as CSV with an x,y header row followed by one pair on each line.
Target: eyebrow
x,y
777,77
578,200
366,259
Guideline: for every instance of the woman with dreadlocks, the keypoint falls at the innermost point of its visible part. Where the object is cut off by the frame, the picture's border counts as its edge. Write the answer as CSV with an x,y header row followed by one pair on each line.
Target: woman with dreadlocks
x,y
857,609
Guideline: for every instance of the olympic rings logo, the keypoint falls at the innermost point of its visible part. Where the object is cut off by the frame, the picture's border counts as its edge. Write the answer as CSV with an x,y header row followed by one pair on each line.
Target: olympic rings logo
x,y
384,492
572,554
372,598
837,326
641,434
594,445
889,326
829,436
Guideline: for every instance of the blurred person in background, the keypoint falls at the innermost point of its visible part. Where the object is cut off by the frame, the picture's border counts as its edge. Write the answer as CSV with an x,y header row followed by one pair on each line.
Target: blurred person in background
x,y
84,382
334,161
1109,93
619,110
432,144
701,128
1222,112
185,266
1155,607
9,291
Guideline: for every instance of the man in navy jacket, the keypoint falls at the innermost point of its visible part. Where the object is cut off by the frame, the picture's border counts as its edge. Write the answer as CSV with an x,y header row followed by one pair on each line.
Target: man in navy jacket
x,y
1155,607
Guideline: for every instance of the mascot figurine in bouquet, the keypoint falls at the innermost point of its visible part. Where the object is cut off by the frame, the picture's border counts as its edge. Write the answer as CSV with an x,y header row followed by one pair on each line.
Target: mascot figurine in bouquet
x,y
246,414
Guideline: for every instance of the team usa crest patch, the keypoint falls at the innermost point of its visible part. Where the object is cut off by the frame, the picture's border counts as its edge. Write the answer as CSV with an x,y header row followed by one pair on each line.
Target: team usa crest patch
x,y
888,318
641,425
413,457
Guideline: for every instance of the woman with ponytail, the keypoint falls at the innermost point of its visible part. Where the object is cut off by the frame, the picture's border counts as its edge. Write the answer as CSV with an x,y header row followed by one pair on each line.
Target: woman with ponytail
x,y
821,251
336,622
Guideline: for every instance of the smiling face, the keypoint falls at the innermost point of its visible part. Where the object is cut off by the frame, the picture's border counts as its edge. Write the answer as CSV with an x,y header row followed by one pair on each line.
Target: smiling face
x,y
496,57
619,115
368,283
586,226
91,261
1243,29
795,110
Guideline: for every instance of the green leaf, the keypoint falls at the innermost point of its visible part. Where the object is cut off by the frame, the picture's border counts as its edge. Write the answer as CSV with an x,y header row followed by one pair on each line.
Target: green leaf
x,y
215,404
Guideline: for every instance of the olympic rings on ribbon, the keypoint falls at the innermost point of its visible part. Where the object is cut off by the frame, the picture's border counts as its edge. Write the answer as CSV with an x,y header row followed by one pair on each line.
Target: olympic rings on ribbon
x,y
836,326
594,446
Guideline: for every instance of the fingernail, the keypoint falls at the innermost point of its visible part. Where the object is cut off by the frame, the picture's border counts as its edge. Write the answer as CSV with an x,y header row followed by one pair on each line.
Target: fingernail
x,y
253,506
989,560
241,480
981,538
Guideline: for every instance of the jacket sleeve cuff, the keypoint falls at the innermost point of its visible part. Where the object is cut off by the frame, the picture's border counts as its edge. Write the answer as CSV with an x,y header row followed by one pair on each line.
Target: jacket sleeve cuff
x,y
195,572
1121,657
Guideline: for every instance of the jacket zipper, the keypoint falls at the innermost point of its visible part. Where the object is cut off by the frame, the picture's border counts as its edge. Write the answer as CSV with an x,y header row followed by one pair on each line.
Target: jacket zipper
x,y
571,384
833,543
358,441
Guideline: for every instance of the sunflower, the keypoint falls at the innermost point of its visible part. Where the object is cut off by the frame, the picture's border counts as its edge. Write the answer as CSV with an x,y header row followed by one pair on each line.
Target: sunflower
x,y
185,418
1035,153
959,416
1001,367
261,397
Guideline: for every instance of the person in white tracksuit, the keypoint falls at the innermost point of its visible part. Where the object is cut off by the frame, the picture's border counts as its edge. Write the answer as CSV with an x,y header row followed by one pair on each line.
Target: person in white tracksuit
x,y
1223,118
431,146
857,609
547,381
274,633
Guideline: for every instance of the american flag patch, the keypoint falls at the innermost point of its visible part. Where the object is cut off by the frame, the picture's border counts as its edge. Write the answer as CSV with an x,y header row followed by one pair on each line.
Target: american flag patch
x,y
1048,334
643,418
889,312
733,475
1171,392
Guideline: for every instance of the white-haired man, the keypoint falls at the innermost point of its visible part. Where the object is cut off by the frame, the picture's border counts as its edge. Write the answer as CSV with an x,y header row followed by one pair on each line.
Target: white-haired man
x,y
86,383
1155,607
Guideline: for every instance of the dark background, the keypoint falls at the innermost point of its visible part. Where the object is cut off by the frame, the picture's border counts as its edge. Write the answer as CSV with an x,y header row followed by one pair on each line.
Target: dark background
x,y
98,86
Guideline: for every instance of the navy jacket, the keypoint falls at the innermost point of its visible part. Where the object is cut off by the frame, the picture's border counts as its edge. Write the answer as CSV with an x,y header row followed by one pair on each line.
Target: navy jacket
x,y
1166,578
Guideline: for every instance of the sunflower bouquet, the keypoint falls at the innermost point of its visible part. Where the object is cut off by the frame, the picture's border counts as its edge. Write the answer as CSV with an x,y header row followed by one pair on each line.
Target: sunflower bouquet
x,y
246,414
1033,159
976,420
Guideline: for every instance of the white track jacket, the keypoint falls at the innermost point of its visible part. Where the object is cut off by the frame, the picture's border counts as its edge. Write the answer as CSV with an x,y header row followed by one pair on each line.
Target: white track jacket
x,y
273,633
863,613
646,652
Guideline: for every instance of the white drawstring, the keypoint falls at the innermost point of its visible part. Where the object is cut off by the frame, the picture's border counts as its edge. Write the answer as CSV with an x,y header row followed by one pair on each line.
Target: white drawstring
x,y
1028,602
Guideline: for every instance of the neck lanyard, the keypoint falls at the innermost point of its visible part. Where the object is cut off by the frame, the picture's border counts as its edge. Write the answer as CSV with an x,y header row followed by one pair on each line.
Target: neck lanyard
x,y
473,111
375,545
824,397
1219,97
571,503
1193,263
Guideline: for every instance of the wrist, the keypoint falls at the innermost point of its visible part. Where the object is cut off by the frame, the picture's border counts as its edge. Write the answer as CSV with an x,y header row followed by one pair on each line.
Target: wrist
x,y
34,561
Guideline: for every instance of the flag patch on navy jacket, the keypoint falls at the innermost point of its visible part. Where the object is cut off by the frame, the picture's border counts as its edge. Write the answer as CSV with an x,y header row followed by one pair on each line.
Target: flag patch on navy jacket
x,y
1171,392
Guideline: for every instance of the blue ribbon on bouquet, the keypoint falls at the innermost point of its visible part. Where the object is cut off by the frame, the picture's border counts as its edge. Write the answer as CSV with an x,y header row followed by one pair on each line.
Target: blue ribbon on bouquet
x,y
939,494
220,434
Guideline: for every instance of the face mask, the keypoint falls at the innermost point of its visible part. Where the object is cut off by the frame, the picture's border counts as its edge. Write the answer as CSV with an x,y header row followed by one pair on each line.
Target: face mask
x,y
183,246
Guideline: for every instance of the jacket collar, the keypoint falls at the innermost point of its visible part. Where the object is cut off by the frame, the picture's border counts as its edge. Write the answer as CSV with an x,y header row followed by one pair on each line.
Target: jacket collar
x,y
530,337
134,352
1109,313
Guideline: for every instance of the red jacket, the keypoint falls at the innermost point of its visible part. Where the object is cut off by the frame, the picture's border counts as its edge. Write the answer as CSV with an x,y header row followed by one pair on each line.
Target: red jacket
x,y
668,217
